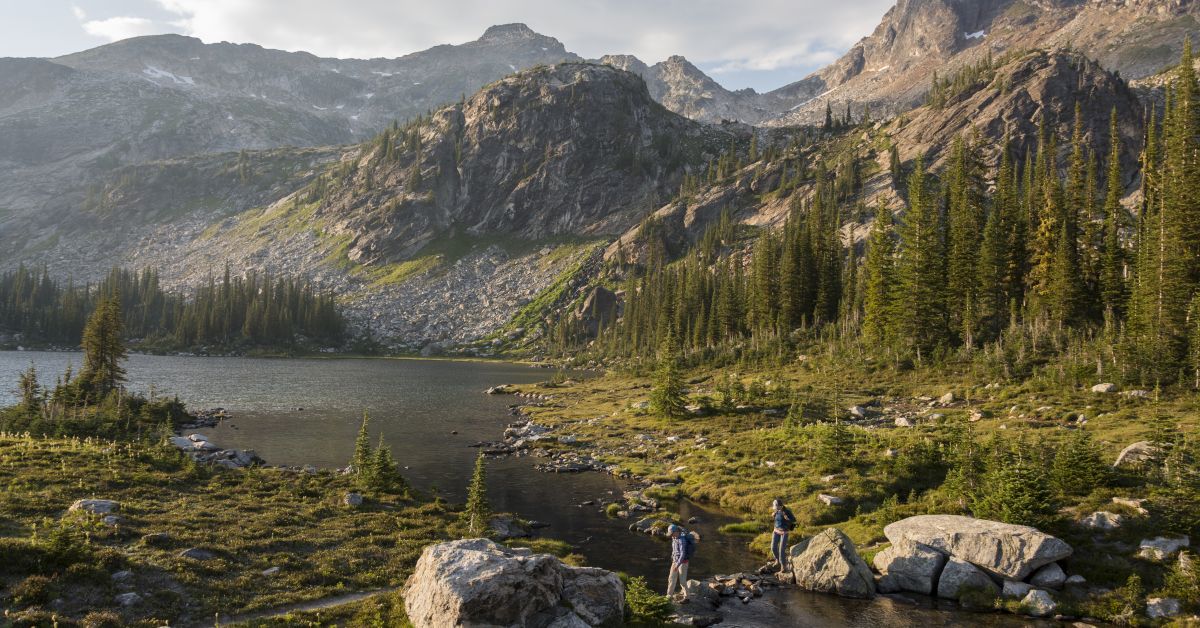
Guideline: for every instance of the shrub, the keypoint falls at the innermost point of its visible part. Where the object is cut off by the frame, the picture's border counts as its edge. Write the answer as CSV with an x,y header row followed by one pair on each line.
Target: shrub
x,y
612,509
31,591
646,608
102,619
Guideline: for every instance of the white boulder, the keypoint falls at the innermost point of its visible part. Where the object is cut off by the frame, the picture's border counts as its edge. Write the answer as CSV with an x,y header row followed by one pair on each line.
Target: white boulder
x,y
1161,547
1001,549
475,582
829,563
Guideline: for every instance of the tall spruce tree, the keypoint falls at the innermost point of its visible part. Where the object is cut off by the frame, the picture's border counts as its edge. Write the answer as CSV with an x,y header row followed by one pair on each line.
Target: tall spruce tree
x,y
965,226
104,349
1112,256
478,511
920,269
879,309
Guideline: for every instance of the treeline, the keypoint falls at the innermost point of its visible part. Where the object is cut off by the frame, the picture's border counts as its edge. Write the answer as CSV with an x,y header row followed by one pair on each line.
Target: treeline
x,y
1042,249
254,310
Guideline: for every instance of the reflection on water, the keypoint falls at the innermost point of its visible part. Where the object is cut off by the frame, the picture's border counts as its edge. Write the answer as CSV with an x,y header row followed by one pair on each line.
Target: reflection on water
x,y
307,411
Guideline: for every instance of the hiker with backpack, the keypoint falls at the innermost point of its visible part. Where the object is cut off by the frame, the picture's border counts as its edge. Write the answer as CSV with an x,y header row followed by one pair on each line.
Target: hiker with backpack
x,y
683,547
785,522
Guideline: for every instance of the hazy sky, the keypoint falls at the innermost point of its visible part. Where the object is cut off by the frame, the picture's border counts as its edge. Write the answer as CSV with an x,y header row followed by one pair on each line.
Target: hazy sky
x,y
748,43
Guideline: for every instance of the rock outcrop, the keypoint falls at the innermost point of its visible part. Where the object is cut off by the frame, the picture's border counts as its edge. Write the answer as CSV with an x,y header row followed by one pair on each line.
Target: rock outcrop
x,y
476,582
1001,549
829,563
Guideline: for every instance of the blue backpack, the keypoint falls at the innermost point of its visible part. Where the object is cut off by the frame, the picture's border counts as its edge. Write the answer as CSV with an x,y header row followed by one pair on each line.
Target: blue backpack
x,y
689,546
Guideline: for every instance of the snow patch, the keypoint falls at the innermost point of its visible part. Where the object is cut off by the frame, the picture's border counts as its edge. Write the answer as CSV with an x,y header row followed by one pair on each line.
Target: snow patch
x,y
340,107
318,108
381,73
229,117
416,82
513,67
975,35
369,95
159,73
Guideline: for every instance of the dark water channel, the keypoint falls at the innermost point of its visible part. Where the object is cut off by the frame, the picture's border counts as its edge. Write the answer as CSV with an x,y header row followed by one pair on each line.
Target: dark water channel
x,y
307,412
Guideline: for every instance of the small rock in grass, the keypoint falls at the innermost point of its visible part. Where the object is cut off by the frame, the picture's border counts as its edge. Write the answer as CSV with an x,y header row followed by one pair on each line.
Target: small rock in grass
x,y
1105,388
95,506
1161,547
196,553
271,571
128,599
1102,521
353,500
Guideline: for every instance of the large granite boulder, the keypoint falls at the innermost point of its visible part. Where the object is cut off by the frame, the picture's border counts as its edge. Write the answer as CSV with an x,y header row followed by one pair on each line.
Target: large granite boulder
x,y
475,582
960,576
910,566
1003,550
829,563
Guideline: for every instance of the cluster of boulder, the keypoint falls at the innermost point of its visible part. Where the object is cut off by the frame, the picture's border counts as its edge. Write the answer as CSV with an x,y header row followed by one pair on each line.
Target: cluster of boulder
x,y
475,582
202,450
946,556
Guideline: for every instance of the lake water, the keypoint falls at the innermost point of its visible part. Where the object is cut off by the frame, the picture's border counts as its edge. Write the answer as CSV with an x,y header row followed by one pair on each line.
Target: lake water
x,y
308,411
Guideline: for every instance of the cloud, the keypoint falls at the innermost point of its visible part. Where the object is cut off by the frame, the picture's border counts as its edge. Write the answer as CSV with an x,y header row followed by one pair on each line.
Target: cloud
x,y
78,12
745,36
121,27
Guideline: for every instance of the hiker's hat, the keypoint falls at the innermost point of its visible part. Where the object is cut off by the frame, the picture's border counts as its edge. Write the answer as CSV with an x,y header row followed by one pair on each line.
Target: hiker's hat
x,y
674,529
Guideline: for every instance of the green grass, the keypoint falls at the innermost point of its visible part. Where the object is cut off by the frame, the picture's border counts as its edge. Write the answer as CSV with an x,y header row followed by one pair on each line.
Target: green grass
x,y
251,520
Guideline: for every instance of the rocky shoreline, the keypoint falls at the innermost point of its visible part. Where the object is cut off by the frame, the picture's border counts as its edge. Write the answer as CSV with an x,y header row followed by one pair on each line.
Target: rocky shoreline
x,y
975,563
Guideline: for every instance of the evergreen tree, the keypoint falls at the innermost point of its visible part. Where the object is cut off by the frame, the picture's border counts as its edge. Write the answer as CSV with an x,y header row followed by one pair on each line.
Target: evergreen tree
x,y
1112,264
1014,488
965,225
879,307
666,397
477,512
995,286
384,475
361,462
32,393
104,349
921,269
1078,468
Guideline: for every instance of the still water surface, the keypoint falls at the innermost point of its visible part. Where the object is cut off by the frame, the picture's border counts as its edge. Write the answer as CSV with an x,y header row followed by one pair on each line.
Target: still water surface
x,y
307,411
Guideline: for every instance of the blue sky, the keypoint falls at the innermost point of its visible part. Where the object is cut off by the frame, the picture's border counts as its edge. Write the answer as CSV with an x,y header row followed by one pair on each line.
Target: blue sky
x,y
749,43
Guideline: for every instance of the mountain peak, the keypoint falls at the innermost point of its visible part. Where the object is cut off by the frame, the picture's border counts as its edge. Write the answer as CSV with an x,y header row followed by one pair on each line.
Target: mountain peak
x,y
508,32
